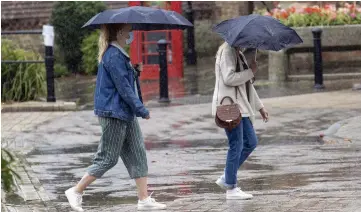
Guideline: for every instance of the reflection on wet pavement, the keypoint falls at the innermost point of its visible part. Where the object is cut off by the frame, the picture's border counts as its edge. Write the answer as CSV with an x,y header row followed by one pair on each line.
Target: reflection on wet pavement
x,y
196,87
290,166
178,172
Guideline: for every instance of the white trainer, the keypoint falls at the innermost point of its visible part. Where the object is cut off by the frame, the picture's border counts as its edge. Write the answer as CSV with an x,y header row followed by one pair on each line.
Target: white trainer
x,y
150,204
75,199
237,193
220,183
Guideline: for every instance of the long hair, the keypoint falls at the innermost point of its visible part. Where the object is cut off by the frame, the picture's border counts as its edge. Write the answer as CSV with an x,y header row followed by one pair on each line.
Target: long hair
x,y
108,33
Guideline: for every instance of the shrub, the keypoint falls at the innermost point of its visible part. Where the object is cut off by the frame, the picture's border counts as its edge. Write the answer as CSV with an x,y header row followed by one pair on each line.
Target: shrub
x,y
89,49
60,70
7,173
21,82
67,18
206,42
317,16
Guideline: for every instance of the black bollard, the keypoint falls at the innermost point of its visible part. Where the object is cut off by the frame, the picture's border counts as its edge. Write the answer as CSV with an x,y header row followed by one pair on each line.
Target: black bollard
x,y
163,74
48,33
49,65
191,52
317,58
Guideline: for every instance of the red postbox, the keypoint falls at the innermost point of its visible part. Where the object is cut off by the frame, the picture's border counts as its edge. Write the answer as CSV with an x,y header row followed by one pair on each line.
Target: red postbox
x,y
144,48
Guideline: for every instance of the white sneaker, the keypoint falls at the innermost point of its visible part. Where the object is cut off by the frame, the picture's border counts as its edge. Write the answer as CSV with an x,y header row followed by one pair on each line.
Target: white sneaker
x,y
237,193
220,183
75,199
150,204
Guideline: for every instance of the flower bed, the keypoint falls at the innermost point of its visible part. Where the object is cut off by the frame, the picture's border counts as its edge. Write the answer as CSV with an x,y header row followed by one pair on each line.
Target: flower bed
x,y
326,15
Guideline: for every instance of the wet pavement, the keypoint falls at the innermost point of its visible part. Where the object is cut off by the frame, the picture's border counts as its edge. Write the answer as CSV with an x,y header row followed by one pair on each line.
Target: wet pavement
x,y
291,169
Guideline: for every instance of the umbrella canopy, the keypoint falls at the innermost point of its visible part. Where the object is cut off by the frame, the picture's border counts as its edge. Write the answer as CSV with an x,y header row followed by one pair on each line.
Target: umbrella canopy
x,y
141,18
256,31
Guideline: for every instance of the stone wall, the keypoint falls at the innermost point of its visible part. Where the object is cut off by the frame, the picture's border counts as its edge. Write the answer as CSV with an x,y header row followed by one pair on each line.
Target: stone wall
x,y
206,41
333,62
231,9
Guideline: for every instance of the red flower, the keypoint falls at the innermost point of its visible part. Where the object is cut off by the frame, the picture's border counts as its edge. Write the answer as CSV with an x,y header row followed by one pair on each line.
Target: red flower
x,y
307,10
291,10
284,14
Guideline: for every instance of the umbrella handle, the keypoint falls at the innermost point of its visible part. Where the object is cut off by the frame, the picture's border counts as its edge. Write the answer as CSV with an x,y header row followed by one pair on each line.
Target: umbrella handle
x,y
264,3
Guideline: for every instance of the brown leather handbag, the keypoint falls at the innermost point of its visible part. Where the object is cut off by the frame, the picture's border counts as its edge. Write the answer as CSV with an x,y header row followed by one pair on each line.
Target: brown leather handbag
x,y
228,116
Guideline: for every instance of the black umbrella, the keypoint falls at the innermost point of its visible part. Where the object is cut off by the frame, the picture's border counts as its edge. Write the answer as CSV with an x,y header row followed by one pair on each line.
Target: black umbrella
x,y
141,18
259,32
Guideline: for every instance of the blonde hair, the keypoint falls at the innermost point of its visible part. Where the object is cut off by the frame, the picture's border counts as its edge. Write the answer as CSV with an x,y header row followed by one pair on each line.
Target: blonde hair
x,y
108,33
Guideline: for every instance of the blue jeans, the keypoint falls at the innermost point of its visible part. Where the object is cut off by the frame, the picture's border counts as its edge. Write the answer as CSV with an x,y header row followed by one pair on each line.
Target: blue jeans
x,y
242,141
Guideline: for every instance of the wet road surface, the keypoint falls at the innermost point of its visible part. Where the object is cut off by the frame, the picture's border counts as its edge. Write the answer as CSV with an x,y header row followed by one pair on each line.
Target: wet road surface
x,y
291,167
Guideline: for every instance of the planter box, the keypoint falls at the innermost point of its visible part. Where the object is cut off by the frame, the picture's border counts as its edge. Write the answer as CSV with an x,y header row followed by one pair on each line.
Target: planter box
x,y
332,36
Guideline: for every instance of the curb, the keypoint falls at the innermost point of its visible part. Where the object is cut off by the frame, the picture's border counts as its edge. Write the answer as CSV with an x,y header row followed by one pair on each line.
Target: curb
x,y
39,106
30,189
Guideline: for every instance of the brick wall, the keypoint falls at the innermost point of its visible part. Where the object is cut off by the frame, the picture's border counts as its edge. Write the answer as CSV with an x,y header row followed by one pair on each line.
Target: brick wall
x,y
27,15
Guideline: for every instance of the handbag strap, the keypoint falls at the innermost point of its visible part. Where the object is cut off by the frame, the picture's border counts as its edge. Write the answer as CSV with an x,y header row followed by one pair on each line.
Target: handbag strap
x,y
238,69
219,78
245,66
227,97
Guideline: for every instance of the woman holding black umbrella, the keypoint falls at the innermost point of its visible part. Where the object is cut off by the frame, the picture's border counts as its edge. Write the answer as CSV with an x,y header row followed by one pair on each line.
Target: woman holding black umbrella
x,y
117,104
234,81
118,100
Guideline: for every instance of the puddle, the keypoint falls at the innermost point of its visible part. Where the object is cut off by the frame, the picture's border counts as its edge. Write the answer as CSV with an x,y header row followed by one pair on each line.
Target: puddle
x,y
181,169
207,145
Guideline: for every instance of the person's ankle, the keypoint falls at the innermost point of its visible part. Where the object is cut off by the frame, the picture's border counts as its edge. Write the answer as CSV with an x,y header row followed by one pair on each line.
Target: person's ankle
x,y
143,197
78,190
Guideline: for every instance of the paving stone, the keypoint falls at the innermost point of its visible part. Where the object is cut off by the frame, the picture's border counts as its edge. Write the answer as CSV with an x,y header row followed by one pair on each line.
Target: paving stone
x,y
292,177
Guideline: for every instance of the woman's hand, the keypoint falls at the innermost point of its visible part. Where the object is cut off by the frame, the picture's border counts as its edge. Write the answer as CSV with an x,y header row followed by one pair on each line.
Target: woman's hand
x,y
147,118
264,114
140,67
254,67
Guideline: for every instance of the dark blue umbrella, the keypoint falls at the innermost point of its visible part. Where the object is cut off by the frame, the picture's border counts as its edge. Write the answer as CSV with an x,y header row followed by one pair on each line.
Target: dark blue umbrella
x,y
256,31
141,18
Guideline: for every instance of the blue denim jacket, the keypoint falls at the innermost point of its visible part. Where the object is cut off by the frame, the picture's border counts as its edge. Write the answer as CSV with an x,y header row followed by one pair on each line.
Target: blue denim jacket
x,y
115,88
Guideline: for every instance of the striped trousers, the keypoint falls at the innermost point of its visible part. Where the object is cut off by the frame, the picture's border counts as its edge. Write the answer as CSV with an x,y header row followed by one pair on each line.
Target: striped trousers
x,y
120,139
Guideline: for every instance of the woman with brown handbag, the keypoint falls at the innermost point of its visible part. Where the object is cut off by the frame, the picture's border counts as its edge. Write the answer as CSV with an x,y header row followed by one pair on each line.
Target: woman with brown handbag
x,y
233,84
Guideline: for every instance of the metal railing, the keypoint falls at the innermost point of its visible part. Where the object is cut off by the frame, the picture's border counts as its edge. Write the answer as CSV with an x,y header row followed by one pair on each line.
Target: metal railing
x,y
49,61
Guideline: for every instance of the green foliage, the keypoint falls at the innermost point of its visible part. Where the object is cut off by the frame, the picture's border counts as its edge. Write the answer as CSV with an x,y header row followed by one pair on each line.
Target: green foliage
x,y
206,42
90,50
67,18
7,173
327,15
21,82
60,70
